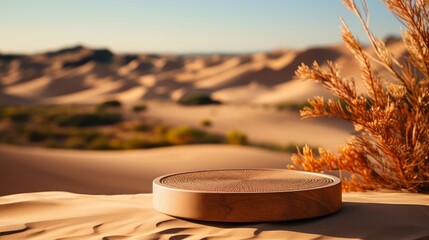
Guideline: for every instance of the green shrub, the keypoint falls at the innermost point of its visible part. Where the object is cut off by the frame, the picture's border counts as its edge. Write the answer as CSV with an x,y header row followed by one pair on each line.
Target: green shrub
x,y
289,148
86,135
115,144
136,142
90,119
236,137
100,143
184,135
113,104
144,127
189,135
291,106
43,133
198,99
206,123
8,139
16,113
75,143
139,108
50,143
142,142
160,129
37,135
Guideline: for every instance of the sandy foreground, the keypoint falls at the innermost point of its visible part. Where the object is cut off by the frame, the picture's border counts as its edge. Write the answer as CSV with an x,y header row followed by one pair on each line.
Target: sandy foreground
x,y
63,215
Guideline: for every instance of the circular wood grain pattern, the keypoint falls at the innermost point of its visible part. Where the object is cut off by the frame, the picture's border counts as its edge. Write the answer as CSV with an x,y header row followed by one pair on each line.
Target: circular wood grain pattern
x,y
247,195
245,180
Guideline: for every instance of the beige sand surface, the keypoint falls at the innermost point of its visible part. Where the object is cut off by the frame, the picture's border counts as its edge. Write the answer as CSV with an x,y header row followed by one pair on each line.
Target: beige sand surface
x,y
294,91
241,94
25,169
11,99
63,215
29,88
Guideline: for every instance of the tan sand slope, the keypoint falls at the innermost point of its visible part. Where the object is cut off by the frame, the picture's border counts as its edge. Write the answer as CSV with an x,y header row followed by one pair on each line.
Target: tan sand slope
x,y
62,215
25,169
10,99
294,91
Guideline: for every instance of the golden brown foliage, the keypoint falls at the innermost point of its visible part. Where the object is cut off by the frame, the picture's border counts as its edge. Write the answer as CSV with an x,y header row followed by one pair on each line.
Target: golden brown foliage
x,y
391,146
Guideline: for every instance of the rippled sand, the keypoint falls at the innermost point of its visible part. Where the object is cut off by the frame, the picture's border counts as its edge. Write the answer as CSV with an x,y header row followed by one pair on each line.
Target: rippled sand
x,y
62,215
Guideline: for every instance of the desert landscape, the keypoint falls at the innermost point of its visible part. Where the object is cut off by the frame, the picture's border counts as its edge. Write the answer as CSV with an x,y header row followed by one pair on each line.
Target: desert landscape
x,y
256,94
84,131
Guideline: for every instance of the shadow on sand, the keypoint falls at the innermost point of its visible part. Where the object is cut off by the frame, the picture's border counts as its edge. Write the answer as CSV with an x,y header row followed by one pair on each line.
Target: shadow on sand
x,y
355,220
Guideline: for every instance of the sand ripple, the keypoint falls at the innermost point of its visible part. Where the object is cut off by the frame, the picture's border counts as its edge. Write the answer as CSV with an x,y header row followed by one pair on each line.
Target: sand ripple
x,y
61,215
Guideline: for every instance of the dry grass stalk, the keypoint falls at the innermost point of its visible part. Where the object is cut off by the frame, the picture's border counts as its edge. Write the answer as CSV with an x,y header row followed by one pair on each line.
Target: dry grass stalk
x,y
391,146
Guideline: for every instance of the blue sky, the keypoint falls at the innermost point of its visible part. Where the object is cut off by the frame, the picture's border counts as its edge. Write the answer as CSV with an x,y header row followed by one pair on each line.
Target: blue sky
x,y
180,26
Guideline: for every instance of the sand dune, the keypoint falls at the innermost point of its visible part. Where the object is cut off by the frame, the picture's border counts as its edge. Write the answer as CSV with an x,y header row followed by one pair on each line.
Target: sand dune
x,y
72,83
125,91
228,77
282,61
30,88
242,94
295,91
209,71
60,215
26,169
131,95
85,95
10,99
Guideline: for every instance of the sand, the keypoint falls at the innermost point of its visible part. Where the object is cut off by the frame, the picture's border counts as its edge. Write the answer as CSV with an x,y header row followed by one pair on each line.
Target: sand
x,y
80,75
25,169
62,215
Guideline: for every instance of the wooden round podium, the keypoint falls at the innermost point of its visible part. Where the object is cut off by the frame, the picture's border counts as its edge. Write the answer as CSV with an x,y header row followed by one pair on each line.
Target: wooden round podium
x,y
247,195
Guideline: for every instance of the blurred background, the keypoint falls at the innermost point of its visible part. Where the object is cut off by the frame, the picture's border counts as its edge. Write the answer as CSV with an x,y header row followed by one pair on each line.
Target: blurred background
x,y
103,96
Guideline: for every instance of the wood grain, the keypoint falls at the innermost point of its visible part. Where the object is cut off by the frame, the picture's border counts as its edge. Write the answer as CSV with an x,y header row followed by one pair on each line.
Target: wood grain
x,y
247,195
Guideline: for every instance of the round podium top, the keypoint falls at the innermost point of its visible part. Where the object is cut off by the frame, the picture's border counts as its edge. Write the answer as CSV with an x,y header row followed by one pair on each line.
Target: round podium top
x,y
246,181
247,195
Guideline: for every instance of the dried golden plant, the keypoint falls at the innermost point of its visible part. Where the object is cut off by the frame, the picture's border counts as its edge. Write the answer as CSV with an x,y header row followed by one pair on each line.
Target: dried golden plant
x,y
391,146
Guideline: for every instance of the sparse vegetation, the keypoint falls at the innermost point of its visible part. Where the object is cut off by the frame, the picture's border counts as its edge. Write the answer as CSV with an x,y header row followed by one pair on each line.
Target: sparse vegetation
x,y
139,108
84,127
236,137
89,119
111,104
198,99
143,127
291,106
16,114
288,148
391,146
188,135
206,123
